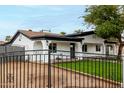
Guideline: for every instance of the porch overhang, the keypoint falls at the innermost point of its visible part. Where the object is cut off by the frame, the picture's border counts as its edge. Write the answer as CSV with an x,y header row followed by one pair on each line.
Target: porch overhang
x,y
59,38
110,42
93,43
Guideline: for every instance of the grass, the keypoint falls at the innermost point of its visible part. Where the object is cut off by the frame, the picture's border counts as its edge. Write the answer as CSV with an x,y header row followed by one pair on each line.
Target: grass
x,y
105,69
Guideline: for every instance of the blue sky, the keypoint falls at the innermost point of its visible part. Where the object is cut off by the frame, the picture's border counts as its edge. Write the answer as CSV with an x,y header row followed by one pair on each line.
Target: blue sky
x,y
55,18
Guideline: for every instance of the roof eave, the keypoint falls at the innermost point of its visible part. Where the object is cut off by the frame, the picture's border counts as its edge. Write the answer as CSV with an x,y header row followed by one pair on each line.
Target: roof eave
x,y
81,34
59,38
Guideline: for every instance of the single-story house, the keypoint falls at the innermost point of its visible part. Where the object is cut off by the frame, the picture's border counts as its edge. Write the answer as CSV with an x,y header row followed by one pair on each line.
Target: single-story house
x,y
77,44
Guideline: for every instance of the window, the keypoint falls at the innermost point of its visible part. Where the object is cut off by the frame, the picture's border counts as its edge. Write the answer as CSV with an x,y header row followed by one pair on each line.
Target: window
x,y
98,48
53,47
111,47
84,48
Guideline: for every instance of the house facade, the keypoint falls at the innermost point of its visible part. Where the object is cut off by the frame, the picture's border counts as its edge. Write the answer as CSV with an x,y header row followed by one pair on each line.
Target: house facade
x,y
41,42
94,45
73,45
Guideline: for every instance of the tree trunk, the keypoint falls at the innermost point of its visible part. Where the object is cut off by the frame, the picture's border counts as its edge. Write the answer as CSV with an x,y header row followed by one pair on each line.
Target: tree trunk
x,y
120,49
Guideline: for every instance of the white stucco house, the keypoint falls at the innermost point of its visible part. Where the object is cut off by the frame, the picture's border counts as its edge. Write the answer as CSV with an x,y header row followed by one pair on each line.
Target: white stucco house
x,y
77,44
92,44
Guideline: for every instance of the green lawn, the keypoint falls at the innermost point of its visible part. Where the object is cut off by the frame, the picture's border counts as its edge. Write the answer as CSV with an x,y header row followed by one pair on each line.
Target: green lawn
x,y
105,69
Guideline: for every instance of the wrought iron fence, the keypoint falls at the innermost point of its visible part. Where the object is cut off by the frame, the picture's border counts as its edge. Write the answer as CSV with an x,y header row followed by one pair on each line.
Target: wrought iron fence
x,y
42,69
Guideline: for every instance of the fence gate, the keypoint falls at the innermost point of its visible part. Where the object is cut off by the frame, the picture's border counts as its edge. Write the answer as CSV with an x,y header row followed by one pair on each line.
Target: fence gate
x,y
44,69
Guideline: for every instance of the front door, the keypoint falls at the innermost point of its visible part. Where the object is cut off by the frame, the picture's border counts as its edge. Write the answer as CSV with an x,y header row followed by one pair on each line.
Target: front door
x,y
72,50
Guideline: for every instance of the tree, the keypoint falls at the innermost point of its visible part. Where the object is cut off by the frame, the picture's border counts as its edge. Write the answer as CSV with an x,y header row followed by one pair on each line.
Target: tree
x,y
78,31
8,38
108,21
62,33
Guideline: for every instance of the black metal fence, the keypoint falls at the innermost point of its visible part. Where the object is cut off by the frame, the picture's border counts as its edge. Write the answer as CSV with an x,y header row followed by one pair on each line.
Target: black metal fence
x,y
43,69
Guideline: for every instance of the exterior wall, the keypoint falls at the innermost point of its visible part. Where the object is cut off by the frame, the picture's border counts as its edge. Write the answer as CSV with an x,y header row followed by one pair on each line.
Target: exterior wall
x,y
63,46
78,47
23,41
93,39
112,51
91,48
37,45
45,44
30,45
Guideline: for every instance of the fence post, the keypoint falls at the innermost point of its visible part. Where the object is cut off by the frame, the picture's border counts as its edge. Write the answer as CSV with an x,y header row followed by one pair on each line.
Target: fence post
x,y
5,50
122,71
49,68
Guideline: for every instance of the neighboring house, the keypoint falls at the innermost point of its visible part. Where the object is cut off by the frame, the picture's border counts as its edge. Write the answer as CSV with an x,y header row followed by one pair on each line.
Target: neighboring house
x,y
84,42
2,42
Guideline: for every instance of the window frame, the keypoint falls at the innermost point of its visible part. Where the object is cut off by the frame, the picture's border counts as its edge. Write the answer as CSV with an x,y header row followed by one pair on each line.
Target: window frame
x,y
53,47
98,48
84,48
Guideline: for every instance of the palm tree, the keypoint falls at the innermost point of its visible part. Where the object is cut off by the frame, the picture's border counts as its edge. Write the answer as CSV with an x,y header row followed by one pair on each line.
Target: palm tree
x,y
62,33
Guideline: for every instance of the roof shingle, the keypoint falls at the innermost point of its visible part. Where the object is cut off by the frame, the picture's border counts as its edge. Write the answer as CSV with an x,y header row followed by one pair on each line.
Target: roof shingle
x,y
32,34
